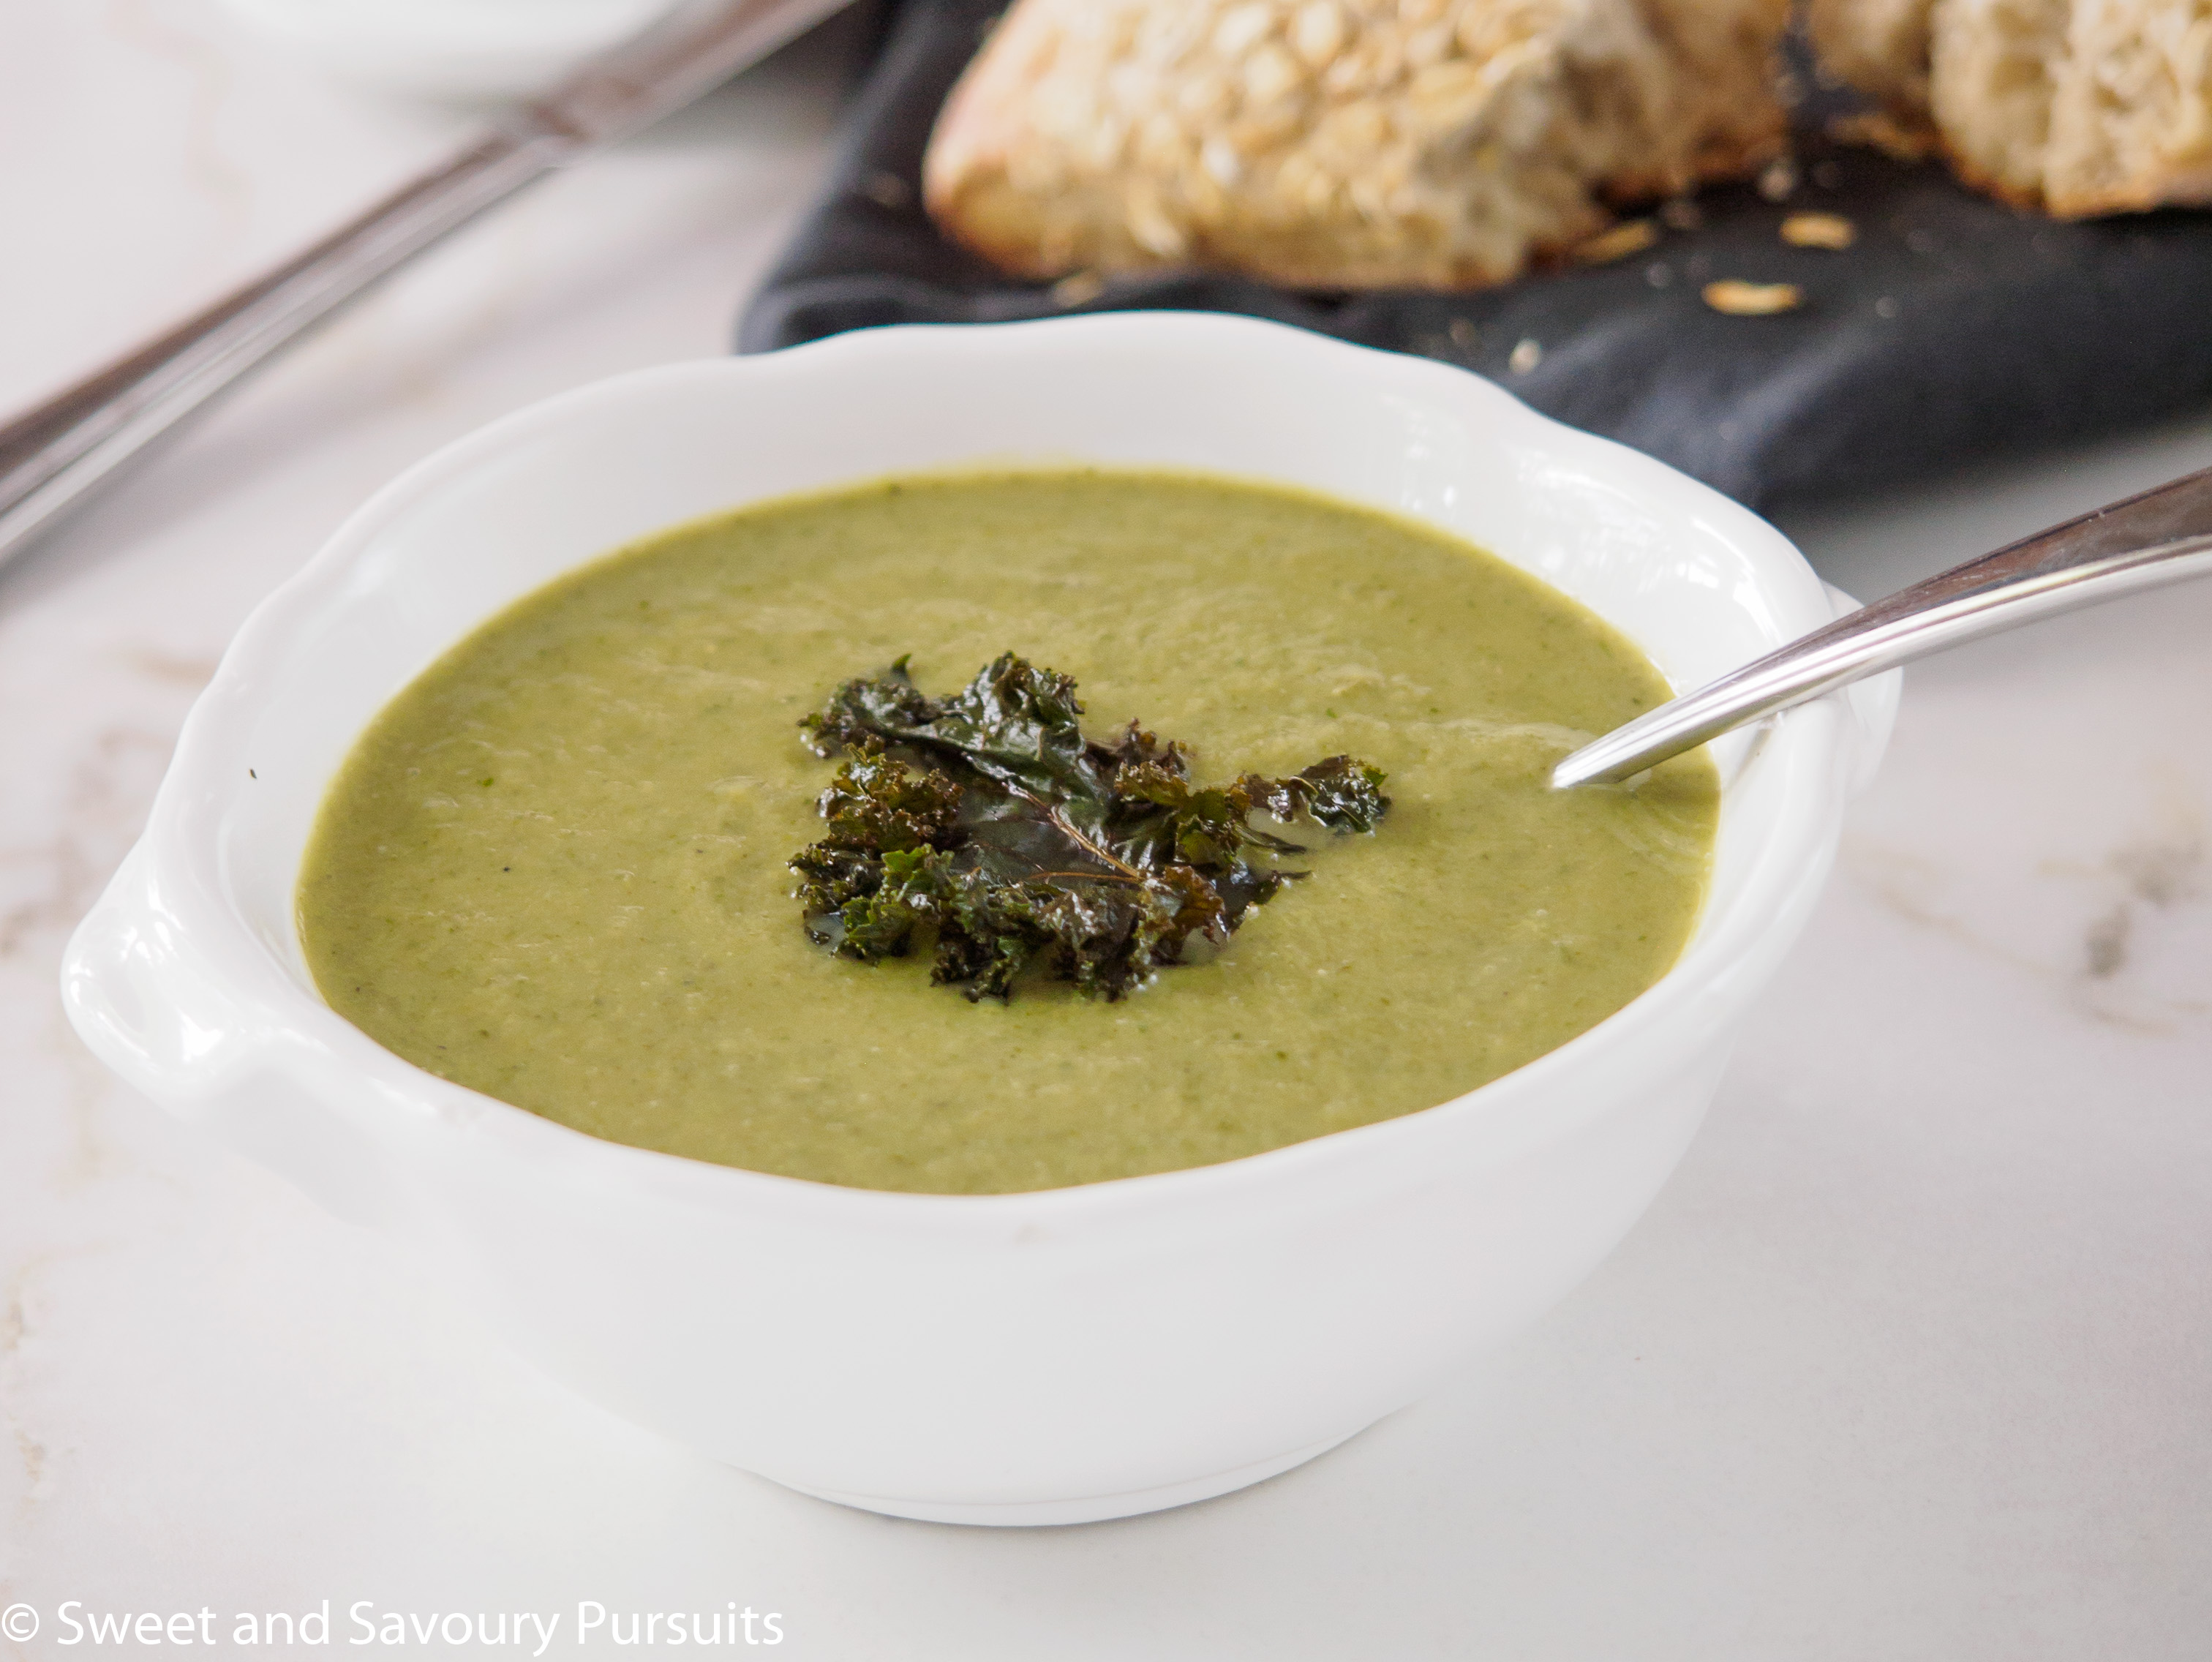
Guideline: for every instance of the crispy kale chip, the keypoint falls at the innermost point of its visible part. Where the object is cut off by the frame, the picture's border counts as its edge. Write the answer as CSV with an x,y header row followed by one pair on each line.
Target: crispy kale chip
x,y
986,828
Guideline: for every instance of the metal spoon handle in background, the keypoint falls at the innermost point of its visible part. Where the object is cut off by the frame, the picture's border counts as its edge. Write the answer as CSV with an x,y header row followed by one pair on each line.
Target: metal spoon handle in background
x,y
2162,536
51,457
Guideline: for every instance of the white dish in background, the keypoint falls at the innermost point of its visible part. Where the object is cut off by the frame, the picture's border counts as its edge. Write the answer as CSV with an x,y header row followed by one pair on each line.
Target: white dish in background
x,y
461,49
1052,1357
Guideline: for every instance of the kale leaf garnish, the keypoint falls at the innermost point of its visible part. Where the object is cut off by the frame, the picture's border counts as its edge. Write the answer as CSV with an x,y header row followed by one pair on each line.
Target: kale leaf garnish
x,y
988,822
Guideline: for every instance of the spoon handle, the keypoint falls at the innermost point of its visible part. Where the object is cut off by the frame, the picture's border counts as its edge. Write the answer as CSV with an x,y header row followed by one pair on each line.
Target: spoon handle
x,y
2162,536
54,456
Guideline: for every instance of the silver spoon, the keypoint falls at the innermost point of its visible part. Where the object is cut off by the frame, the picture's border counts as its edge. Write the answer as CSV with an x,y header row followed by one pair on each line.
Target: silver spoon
x,y
51,457
2162,536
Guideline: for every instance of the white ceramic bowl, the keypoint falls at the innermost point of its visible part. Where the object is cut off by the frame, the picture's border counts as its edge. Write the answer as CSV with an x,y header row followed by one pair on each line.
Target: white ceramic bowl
x,y
1039,1358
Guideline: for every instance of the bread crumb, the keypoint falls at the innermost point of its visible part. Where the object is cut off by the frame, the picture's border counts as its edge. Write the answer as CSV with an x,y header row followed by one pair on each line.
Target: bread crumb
x,y
1878,129
1525,356
1753,299
1778,181
1632,237
1462,333
1819,231
1681,214
1886,306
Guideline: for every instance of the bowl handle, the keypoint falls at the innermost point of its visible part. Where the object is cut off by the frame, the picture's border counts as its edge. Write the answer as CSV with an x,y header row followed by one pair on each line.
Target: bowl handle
x,y
147,1002
139,1002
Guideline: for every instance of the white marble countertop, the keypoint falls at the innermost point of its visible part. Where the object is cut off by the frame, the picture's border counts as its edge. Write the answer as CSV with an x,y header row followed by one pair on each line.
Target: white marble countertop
x,y
1913,1358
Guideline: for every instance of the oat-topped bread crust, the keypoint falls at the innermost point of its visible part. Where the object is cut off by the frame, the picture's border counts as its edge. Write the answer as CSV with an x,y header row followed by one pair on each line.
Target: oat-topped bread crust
x,y
2079,106
1341,143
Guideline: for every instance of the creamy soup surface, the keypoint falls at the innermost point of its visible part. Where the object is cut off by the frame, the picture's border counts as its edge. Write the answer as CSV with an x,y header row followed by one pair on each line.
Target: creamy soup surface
x,y
553,869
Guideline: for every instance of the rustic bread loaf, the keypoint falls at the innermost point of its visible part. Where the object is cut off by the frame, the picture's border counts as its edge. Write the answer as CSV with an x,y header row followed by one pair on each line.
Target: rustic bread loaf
x,y
1341,143
2078,106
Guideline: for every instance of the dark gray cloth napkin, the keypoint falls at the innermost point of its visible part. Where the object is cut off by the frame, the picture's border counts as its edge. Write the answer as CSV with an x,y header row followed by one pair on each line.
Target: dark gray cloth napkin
x,y
1953,327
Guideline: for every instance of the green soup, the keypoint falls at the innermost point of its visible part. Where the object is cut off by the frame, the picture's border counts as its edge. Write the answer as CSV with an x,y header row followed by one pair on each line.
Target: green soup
x,y
553,869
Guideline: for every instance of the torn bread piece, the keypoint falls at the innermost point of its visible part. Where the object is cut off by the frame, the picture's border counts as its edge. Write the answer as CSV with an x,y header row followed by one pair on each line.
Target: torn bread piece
x,y
2132,114
2080,107
1990,69
1342,143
